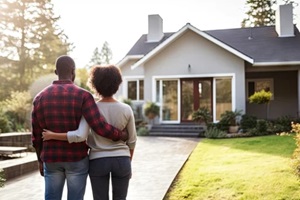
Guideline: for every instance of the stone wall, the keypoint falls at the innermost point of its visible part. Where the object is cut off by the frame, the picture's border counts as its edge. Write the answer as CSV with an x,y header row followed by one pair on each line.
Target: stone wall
x,y
15,139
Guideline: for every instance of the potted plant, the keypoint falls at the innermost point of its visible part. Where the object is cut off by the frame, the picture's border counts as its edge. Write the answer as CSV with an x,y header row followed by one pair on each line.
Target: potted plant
x,y
151,110
202,115
230,118
262,97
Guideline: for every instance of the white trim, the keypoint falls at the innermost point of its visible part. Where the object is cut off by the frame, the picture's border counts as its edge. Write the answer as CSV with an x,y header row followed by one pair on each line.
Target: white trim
x,y
181,32
127,58
262,64
193,76
125,86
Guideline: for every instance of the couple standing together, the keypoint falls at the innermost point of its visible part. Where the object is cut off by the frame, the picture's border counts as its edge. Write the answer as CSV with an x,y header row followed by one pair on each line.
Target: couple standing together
x,y
74,136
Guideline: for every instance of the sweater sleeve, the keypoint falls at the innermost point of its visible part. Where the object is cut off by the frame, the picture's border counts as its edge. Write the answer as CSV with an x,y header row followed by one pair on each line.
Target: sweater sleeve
x,y
131,131
97,122
81,133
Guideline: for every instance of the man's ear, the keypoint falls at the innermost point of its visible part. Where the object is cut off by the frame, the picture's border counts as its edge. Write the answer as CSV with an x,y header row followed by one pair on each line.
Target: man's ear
x,y
55,72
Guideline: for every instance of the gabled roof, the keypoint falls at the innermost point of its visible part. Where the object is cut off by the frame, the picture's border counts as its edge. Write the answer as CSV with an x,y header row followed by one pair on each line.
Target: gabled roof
x,y
262,44
258,45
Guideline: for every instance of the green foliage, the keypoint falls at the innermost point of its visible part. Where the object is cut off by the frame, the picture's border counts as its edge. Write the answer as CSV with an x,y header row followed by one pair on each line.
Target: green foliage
x,y
296,153
17,109
260,13
281,124
261,97
260,129
142,131
5,125
214,132
203,114
2,179
151,109
101,57
230,117
127,101
248,122
82,77
31,40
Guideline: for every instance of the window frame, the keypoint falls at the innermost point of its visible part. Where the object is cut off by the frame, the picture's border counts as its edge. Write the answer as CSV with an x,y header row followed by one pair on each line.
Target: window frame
x,y
137,80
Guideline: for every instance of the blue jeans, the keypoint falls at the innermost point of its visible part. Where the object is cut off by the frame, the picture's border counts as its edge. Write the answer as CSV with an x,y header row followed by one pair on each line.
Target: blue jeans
x,y
119,168
75,173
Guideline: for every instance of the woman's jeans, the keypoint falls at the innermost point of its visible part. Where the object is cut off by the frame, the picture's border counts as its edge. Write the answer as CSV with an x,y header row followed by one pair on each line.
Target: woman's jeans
x,y
119,168
74,172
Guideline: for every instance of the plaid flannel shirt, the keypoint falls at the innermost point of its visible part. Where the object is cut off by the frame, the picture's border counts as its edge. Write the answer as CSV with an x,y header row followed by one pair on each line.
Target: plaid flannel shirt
x,y
59,108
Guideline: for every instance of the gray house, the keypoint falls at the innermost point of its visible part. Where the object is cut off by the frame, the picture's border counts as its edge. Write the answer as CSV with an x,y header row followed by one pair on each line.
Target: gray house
x,y
218,69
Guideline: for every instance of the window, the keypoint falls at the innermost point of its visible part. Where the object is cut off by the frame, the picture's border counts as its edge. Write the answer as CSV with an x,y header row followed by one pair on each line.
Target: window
x,y
256,85
223,96
135,90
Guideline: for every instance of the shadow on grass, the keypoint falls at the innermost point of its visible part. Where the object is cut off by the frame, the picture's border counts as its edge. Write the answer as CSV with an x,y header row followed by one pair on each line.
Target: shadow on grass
x,y
275,145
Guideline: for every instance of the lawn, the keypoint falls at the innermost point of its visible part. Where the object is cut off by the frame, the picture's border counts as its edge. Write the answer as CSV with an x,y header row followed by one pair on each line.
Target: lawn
x,y
256,168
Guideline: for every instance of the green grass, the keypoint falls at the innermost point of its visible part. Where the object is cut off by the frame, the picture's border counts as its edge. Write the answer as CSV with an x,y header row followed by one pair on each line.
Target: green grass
x,y
256,168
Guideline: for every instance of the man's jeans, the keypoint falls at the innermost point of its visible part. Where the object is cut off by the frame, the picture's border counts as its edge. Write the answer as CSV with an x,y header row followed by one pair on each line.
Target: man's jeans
x,y
119,168
74,172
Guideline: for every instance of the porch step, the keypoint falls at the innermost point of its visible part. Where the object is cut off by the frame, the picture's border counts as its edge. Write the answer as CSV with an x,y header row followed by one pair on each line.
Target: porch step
x,y
177,130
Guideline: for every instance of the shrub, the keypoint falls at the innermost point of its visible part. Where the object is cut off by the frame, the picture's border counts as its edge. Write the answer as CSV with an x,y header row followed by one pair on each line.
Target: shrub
x,y
5,126
202,115
17,109
281,124
260,129
248,122
296,153
151,109
142,131
214,132
261,97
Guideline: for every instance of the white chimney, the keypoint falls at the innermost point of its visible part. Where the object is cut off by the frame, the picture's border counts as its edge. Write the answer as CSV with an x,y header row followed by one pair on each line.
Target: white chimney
x,y
155,28
284,21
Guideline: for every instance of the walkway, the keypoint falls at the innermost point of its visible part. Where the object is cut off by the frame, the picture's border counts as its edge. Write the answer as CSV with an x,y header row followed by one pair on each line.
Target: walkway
x,y
156,162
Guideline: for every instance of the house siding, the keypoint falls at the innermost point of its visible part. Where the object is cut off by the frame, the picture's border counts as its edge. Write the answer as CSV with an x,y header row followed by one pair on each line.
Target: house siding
x,y
200,54
285,95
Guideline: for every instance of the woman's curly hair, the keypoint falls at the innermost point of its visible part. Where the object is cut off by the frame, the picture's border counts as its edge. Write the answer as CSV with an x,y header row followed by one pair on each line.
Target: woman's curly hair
x,y
105,80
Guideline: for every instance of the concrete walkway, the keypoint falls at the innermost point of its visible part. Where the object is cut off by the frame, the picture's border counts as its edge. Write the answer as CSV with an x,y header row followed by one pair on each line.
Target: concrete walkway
x,y
156,162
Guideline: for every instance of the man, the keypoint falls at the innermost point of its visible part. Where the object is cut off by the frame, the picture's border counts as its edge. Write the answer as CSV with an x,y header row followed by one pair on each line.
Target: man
x,y
59,107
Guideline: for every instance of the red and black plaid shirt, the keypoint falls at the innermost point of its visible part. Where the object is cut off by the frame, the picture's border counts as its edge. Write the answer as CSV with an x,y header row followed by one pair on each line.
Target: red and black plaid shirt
x,y
59,108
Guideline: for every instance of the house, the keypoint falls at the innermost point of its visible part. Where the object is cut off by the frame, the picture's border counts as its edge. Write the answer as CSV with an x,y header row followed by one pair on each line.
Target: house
x,y
218,69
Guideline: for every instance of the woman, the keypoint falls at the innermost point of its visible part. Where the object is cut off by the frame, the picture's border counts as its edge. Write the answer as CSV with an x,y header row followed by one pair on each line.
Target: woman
x,y
107,157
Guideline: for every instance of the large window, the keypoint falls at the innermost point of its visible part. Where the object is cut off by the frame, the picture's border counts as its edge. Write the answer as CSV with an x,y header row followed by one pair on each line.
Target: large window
x,y
256,85
167,96
223,96
135,90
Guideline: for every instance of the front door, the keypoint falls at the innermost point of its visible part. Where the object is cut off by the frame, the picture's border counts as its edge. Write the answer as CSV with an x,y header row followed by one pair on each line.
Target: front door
x,y
195,93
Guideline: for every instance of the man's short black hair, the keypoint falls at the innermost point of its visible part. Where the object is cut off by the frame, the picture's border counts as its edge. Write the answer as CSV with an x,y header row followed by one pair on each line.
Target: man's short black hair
x,y
64,65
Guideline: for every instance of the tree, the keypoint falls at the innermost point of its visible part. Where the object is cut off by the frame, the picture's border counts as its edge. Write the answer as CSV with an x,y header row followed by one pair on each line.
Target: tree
x,y
260,13
30,41
96,58
103,57
106,53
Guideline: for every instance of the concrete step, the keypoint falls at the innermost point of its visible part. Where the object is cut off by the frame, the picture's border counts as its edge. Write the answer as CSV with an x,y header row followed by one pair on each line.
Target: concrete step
x,y
177,130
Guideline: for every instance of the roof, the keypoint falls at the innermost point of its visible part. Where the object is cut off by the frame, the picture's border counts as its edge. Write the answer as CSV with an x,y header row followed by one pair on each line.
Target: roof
x,y
257,45
261,43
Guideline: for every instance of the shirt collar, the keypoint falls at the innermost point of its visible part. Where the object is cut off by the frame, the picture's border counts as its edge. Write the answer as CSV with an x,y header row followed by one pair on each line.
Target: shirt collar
x,y
62,82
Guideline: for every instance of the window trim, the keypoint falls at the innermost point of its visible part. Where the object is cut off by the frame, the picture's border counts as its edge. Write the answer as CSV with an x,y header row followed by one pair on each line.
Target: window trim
x,y
137,80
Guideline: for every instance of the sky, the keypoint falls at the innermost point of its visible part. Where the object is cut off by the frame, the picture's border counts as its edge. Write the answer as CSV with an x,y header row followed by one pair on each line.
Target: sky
x,y
89,23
